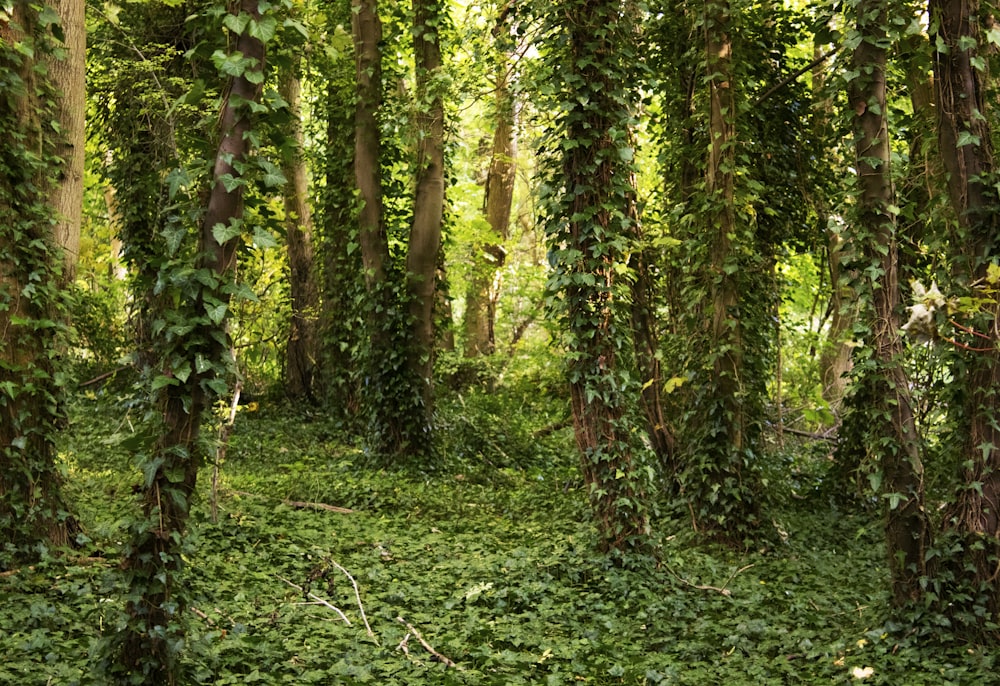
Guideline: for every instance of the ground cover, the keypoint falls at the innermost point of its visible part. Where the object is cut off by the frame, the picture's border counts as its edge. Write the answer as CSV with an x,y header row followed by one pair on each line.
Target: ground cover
x,y
480,573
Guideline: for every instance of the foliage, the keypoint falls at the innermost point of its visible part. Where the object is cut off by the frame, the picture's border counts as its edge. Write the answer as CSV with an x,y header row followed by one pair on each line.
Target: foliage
x,y
498,573
32,304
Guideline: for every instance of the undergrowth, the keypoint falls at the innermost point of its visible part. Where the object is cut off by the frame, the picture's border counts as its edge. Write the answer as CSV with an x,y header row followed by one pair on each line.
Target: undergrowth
x,y
490,558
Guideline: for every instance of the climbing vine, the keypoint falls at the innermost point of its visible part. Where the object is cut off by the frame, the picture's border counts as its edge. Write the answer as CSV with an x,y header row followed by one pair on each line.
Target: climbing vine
x,y
32,304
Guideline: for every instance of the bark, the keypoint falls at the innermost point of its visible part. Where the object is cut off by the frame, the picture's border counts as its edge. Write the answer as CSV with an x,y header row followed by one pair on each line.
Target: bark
x,y
30,483
367,32
725,326
302,352
907,529
428,208
154,556
480,298
68,77
964,139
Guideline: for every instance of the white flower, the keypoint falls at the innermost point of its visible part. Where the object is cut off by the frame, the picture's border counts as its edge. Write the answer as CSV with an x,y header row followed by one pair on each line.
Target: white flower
x,y
862,672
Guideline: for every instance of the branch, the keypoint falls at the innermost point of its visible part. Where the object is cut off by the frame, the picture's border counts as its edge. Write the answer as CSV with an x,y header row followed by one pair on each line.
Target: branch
x,y
427,646
317,599
357,595
792,77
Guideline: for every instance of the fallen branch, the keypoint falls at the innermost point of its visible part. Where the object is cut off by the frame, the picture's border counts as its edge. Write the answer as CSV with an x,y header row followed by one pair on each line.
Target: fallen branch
x,y
319,600
808,434
704,587
357,594
299,504
427,646
317,506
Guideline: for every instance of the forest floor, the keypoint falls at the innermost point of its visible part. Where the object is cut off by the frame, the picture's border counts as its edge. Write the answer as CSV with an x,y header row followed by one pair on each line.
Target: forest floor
x,y
487,575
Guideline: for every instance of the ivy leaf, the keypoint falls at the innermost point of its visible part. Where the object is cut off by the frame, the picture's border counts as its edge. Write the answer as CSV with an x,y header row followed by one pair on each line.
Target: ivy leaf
x,y
223,233
237,23
216,313
262,239
264,29
966,138
273,177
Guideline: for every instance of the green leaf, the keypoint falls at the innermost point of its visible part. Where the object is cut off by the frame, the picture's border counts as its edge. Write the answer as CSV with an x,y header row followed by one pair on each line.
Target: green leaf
x,y
262,239
237,23
223,233
264,29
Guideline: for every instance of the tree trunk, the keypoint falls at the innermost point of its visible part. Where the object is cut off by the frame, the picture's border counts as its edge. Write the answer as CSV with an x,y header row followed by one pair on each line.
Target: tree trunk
x,y
69,77
303,349
480,304
965,143
591,223
907,529
149,644
428,206
32,512
367,31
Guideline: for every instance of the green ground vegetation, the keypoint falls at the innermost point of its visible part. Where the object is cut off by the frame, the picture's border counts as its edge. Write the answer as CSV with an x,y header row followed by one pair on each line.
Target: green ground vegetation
x,y
491,560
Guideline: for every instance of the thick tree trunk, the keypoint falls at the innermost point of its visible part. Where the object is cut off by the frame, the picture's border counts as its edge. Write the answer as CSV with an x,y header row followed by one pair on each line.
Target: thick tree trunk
x,y
907,529
302,351
69,77
598,208
30,485
154,556
965,142
428,206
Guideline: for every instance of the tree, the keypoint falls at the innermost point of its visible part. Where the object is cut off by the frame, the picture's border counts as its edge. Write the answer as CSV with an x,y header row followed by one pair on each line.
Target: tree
x,y
480,303
68,78
966,148
590,223
894,436
302,352
194,361
32,512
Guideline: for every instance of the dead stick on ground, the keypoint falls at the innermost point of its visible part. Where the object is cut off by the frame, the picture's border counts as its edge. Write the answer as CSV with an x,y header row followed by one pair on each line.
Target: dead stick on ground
x,y
299,504
357,594
319,600
427,646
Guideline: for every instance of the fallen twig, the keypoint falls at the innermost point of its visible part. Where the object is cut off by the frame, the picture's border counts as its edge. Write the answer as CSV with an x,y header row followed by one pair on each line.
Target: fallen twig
x,y
704,587
317,506
299,504
427,646
102,377
357,594
319,600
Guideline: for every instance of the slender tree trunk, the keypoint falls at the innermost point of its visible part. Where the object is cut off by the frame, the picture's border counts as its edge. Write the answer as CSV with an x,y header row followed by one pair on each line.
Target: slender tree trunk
x,y
428,207
31,503
69,77
302,352
965,142
907,529
367,30
149,643
489,258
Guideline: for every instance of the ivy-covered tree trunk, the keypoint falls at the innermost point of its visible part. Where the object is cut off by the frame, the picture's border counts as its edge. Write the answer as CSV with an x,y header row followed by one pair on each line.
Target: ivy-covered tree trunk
x,y
590,225
893,431
428,202
341,327
302,351
195,362
964,138
722,484
32,512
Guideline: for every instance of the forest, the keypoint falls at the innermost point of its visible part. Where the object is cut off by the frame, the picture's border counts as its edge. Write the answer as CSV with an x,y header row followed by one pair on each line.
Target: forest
x,y
499,342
